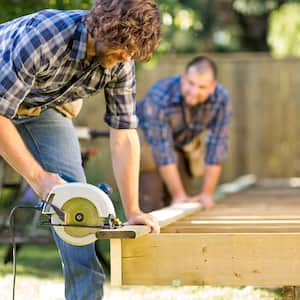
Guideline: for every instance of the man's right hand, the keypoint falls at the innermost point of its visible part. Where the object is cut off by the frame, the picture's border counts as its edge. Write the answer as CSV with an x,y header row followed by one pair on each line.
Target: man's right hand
x,y
180,199
17,155
44,183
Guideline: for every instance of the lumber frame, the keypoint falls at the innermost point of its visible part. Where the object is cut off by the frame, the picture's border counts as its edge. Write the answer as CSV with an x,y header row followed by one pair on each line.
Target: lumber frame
x,y
172,213
233,259
165,217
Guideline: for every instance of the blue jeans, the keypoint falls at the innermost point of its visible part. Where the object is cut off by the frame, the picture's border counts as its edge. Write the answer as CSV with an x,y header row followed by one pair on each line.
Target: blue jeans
x,y
52,140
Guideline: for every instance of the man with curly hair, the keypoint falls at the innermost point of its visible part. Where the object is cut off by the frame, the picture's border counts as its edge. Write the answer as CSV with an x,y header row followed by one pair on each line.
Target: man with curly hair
x,y
49,60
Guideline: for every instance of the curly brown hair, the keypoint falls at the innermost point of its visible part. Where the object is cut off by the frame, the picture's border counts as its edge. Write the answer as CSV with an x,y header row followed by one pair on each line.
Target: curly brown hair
x,y
133,25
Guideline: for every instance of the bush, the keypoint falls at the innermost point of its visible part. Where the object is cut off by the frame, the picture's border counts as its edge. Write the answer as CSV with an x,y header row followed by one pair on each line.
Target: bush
x,y
284,30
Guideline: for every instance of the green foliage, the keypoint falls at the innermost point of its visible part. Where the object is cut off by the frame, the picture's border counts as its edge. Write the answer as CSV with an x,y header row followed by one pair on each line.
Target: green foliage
x,y
254,7
190,26
70,4
178,22
284,31
16,8
186,25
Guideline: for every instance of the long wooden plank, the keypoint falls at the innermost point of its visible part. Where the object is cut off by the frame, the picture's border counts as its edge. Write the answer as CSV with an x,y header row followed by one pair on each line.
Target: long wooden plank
x,y
240,222
175,212
243,217
164,216
116,261
212,259
124,232
231,229
237,185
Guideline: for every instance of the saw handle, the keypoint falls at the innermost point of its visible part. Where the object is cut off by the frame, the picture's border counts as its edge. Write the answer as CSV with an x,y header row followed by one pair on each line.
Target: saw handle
x,y
67,178
106,188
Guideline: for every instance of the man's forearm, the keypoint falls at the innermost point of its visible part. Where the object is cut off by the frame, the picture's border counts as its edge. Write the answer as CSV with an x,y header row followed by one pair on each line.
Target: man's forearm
x,y
211,178
15,152
125,150
171,178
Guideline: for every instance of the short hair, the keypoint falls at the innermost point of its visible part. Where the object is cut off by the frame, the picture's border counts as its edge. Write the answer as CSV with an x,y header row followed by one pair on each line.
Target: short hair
x,y
133,25
202,63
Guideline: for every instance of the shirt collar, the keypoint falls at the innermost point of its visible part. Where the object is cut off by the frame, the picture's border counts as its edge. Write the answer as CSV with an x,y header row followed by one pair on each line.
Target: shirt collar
x,y
213,97
177,96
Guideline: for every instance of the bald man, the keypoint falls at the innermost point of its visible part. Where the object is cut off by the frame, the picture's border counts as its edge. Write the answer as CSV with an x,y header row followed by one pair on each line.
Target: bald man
x,y
173,118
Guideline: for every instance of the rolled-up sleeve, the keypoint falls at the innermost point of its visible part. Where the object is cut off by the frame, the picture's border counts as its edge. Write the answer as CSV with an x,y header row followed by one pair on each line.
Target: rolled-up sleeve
x,y
218,134
120,94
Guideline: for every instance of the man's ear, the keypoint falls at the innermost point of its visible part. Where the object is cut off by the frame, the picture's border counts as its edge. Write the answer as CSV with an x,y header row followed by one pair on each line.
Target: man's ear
x,y
91,47
213,86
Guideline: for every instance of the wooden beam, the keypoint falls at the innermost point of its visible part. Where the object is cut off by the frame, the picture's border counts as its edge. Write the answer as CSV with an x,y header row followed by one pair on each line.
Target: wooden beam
x,y
232,229
291,182
175,212
243,217
124,232
235,186
164,216
212,259
240,222
116,262
291,293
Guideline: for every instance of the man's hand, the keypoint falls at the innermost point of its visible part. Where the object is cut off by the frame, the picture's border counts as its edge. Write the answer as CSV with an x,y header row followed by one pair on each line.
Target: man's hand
x,y
206,200
44,183
140,218
15,152
180,199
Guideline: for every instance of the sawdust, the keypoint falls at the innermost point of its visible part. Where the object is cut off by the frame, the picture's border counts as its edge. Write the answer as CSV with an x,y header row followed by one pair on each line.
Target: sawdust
x,y
31,288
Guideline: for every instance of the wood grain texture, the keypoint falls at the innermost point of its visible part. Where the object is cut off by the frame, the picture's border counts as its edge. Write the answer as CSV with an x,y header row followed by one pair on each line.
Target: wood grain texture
x,y
212,259
249,238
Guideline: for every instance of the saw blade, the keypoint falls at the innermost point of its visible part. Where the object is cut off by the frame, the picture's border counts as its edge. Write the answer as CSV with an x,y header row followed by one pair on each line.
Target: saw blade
x,y
81,211
83,205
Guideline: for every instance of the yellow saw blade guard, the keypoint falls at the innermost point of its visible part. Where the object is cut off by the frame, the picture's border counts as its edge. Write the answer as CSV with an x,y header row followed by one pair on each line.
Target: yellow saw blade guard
x,y
84,205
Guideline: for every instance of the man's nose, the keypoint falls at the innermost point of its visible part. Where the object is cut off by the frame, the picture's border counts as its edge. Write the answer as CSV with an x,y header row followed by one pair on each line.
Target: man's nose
x,y
193,90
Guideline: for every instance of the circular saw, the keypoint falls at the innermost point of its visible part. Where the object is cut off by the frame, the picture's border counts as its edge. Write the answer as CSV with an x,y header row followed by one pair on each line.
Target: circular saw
x,y
78,210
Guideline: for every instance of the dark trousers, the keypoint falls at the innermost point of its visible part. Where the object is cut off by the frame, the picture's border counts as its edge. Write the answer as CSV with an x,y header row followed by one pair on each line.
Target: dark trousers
x,y
153,193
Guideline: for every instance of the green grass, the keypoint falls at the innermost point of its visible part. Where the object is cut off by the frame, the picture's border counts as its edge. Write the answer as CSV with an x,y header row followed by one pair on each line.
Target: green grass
x,y
40,261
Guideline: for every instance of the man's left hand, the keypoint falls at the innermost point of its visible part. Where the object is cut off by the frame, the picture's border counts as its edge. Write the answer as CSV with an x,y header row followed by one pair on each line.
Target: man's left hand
x,y
206,200
140,218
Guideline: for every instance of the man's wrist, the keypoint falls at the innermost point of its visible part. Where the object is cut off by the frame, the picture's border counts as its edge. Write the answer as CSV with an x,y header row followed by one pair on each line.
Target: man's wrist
x,y
205,194
35,175
132,211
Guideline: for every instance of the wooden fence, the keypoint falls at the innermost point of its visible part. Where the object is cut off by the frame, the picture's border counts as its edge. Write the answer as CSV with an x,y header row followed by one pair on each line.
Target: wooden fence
x,y
266,101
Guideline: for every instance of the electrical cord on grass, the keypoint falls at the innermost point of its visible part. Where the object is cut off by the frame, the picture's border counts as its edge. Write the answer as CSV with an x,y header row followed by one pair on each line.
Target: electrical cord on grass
x,y
13,241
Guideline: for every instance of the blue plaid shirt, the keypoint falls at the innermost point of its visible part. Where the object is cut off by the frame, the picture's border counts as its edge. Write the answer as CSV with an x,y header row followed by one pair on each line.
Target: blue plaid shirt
x,y
168,124
43,63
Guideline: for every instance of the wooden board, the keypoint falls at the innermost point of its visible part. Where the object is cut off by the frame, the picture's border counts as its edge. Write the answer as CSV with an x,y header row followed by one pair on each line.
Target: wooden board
x,y
212,259
249,238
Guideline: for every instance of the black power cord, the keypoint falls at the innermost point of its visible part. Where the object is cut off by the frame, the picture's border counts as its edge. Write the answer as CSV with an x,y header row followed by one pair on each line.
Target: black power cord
x,y
13,241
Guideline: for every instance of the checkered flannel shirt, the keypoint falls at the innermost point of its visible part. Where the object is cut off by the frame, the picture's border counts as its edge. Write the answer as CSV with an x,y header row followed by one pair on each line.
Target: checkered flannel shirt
x,y
163,118
43,63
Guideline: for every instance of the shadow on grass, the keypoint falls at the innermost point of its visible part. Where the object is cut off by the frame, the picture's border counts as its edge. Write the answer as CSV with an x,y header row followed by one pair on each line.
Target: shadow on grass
x,y
40,261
